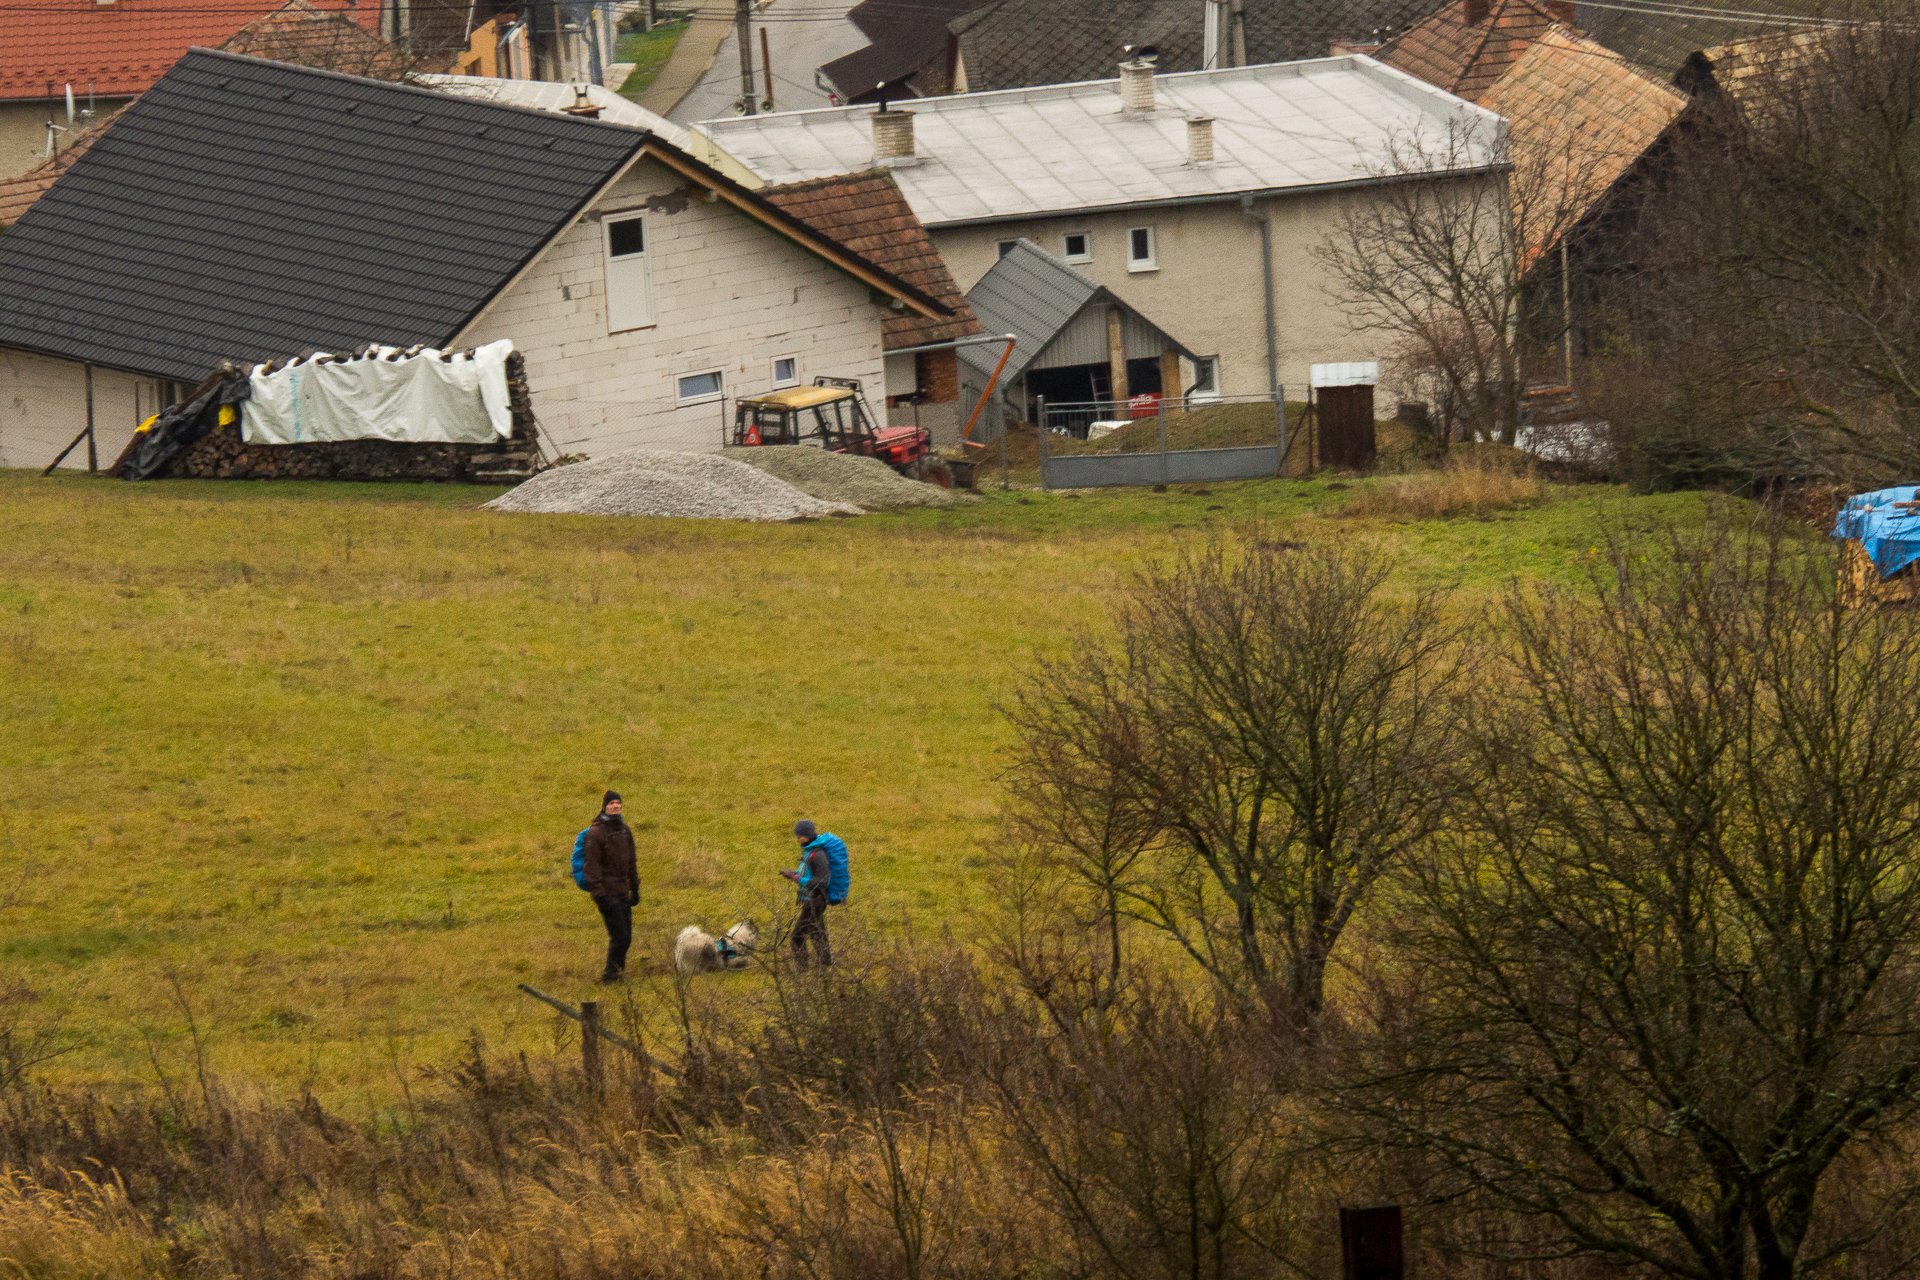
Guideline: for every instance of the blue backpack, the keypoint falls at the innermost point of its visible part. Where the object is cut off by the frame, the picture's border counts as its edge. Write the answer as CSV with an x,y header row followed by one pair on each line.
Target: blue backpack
x,y
580,858
839,874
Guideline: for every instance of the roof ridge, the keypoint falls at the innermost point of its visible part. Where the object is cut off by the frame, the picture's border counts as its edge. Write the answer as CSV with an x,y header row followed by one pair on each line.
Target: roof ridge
x,y
408,87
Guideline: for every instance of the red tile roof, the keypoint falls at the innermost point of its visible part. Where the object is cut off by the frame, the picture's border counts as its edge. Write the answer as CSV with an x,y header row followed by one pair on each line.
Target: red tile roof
x,y
119,48
1467,57
866,213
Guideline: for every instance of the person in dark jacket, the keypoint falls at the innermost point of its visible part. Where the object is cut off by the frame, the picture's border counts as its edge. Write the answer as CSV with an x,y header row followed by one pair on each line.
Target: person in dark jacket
x,y
812,878
613,878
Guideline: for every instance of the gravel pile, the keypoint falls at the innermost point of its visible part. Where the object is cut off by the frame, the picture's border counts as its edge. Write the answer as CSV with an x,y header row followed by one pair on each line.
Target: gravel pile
x,y
663,482
839,477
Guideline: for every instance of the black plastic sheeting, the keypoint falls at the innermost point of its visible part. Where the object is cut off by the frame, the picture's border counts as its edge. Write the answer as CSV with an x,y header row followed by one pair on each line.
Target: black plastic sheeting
x,y
179,426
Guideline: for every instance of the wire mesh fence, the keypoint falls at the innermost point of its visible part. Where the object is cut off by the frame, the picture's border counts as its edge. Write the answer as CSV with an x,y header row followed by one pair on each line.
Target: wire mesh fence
x,y
1154,440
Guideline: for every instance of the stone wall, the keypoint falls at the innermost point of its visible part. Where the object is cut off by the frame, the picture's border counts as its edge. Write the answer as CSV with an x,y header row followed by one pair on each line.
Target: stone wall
x,y
222,455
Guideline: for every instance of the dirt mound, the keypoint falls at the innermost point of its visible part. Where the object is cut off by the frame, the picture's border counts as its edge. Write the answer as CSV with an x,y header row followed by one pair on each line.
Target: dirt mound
x,y
663,482
838,477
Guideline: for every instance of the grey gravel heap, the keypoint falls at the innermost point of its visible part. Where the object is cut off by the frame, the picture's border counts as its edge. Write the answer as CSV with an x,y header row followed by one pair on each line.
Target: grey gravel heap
x,y
839,477
663,482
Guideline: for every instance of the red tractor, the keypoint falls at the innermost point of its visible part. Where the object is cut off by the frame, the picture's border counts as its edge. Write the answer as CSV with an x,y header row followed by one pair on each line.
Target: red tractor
x,y
832,412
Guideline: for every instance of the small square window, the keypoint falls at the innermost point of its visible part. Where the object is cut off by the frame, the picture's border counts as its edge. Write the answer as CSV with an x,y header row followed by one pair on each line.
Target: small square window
x,y
1206,378
1140,255
1077,246
693,388
626,237
786,371
1006,247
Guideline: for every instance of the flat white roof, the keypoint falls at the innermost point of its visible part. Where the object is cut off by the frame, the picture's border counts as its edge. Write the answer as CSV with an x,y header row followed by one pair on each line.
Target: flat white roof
x,y
556,96
1061,148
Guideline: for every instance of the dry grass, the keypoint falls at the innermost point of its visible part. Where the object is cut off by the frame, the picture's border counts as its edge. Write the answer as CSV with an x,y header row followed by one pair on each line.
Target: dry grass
x,y
1477,480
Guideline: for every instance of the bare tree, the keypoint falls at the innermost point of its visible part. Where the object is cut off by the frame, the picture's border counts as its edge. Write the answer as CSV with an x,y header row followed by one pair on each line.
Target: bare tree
x,y
1264,734
1670,954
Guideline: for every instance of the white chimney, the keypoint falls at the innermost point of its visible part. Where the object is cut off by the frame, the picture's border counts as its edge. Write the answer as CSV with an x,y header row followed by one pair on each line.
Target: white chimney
x,y
893,137
1136,86
1200,142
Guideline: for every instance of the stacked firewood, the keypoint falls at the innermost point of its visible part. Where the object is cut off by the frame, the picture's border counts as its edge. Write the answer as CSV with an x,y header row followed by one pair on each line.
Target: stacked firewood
x,y
221,454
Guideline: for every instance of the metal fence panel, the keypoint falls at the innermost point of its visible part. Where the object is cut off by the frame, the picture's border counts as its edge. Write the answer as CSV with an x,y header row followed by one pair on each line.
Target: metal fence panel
x,y
1180,466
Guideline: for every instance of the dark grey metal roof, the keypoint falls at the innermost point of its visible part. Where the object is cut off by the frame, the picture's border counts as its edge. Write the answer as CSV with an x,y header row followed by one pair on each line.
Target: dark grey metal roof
x,y
1034,296
244,209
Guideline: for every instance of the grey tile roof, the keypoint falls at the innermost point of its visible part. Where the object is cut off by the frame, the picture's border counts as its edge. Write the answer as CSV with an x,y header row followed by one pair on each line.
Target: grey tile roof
x,y
904,35
1025,152
1660,42
244,209
1034,296
1019,43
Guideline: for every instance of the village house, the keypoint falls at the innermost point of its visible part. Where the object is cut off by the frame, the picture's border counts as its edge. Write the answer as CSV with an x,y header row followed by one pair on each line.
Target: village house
x,y
1198,199
246,210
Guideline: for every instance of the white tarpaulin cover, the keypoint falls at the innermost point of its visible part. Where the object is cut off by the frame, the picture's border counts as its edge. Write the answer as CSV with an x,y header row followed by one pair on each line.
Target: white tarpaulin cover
x,y
386,396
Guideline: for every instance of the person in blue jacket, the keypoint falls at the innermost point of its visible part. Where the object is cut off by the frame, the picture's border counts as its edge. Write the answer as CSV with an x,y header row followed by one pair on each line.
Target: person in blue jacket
x,y
814,877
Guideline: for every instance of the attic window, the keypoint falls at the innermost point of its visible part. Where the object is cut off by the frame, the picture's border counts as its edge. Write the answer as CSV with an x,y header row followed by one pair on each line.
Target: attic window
x,y
1077,246
1006,247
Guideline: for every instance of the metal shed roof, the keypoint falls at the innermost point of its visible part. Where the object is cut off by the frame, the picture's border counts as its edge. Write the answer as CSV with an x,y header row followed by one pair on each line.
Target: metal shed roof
x,y
1036,297
986,157
557,96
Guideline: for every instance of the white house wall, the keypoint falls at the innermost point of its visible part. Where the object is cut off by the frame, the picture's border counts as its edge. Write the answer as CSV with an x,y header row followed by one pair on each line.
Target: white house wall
x,y
1206,290
43,406
729,294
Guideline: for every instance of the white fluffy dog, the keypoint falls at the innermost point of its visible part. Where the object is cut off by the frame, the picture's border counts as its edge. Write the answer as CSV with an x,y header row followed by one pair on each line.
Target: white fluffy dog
x,y
697,951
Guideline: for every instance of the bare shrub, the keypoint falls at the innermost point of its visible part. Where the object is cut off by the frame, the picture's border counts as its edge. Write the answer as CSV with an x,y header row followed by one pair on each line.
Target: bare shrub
x,y
1670,959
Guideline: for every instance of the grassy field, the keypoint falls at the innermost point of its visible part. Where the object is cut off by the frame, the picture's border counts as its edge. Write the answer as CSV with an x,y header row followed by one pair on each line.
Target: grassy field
x,y
317,753
648,51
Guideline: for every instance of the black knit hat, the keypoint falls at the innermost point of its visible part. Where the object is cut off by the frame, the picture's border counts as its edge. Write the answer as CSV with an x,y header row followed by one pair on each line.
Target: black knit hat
x,y
608,799
805,827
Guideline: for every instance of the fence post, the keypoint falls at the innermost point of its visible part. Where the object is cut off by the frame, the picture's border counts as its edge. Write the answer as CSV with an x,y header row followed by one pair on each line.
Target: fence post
x,y
93,455
1280,440
1160,414
1046,454
590,1043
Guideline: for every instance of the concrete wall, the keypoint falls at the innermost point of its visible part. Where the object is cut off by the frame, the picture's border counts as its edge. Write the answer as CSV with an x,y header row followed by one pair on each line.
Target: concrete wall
x,y
1206,291
729,293
23,129
43,405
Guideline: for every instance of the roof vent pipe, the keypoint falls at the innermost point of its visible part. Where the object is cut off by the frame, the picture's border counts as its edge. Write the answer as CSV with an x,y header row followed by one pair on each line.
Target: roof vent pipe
x,y
893,137
1136,86
1200,142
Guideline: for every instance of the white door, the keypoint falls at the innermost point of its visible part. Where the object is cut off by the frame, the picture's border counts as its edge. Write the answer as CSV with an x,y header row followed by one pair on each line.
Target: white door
x,y
629,282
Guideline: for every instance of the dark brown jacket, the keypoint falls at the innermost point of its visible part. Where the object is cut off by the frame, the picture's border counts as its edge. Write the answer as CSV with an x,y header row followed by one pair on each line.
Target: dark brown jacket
x,y
612,871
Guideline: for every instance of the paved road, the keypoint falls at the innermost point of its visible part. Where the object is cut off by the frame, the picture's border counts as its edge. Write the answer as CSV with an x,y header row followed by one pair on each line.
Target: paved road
x,y
807,34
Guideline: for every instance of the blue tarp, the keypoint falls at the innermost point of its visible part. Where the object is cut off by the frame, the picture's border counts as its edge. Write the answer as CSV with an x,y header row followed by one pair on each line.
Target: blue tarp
x,y
1889,535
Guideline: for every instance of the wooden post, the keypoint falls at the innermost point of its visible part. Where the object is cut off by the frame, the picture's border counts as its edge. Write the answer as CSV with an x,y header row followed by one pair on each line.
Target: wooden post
x,y
590,1043
1006,481
1370,1244
1170,376
766,61
1046,469
1117,356
93,452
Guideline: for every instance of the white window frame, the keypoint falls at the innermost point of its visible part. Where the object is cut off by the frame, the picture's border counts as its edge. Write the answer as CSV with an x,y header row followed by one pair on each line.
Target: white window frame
x,y
1214,362
705,397
1077,259
773,370
1152,261
645,256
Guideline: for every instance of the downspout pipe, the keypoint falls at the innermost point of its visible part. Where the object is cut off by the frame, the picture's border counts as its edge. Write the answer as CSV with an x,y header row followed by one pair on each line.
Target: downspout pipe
x,y
1266,280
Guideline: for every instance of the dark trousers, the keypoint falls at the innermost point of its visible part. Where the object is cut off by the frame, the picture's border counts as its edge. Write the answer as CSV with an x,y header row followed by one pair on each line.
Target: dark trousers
x,y
812,924
619,918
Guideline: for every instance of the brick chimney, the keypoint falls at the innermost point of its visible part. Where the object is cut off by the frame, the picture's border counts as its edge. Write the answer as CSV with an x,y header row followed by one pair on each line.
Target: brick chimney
x,y
1476,12
1136,86
1562,10
1200,142
893,137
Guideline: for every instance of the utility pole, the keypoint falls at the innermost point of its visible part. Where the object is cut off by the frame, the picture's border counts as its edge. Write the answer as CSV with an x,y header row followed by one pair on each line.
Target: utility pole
x,y
743,36
1237,18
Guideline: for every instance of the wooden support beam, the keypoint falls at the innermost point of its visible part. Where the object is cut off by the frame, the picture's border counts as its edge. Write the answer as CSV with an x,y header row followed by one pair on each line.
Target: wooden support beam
x,y
1117,355
1170,387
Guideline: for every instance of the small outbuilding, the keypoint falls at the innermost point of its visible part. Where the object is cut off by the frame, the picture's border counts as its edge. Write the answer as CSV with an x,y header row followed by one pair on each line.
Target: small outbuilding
x,y
1078,346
